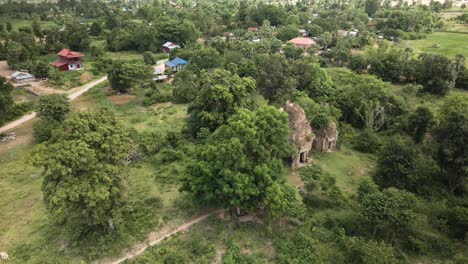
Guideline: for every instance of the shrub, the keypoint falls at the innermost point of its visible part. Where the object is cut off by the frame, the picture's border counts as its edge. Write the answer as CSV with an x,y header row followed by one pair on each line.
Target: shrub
x,y
367,141
42,129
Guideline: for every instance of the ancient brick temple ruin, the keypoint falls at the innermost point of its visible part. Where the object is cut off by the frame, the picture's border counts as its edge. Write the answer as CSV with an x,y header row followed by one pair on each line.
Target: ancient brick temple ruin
x,y
301,136
325,139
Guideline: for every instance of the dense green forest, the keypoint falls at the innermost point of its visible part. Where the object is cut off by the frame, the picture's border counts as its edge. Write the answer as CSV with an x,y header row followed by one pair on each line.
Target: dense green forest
x,y
136,157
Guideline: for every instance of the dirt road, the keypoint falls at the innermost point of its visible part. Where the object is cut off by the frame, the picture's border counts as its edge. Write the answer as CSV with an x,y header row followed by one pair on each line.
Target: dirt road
x,y
73,94
160,237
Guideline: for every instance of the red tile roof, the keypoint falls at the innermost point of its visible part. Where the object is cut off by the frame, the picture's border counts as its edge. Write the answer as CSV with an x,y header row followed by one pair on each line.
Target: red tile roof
x,y
58,63
302,41
70,54
253,29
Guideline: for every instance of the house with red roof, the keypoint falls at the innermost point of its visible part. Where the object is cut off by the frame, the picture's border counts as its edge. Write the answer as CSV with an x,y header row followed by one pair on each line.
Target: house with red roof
x,y
302,42
68,60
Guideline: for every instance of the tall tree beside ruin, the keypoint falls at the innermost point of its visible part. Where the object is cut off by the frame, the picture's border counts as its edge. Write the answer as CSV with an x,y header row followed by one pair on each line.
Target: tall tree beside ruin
x,y
221,94
242,162
83,181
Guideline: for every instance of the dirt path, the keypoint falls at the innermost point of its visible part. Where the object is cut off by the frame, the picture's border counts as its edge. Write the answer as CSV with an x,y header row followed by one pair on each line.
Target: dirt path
x,y
73,94
138,250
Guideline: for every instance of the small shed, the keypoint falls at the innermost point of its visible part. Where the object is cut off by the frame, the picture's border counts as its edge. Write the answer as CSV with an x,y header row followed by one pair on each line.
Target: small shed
x,y
325,139
22,77
253,29
302,32
169,46
176,64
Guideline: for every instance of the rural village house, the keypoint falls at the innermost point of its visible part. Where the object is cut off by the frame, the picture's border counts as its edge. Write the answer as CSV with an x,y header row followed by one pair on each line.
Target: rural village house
x,y
176,64
302,42
68,60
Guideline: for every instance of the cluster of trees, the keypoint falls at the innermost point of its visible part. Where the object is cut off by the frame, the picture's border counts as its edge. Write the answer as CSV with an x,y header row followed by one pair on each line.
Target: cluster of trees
x,y
239,139
437,74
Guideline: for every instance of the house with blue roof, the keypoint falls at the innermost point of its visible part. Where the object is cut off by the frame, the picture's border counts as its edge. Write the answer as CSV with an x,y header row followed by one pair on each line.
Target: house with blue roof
x,y
176,64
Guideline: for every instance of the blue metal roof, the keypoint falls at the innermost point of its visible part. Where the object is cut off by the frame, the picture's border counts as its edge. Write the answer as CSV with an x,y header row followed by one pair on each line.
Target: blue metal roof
x,y
175,62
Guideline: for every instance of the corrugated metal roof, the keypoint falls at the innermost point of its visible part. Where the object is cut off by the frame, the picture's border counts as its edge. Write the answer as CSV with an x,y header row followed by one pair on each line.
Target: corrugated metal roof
x,y
175,62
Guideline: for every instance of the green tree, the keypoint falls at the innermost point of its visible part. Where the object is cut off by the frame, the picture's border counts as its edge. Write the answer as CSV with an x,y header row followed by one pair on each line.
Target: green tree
x,y
6,100
124,75
242,161
291,52
372,6
391,211
95,29
437,74
9,27
451,136
358,64
287,32
220,95
420,122
325,40
314,81
148,58
275,80
83,181
314,30
54,107
37,29
396,164
186,86
39,68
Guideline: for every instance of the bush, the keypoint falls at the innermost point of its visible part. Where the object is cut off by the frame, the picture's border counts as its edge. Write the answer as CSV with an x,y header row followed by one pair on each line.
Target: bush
x,y
149,58
42,129
367,141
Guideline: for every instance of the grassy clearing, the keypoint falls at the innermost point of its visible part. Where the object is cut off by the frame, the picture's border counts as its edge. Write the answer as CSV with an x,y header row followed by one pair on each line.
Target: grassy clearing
x,y
451,44
19,23
346,166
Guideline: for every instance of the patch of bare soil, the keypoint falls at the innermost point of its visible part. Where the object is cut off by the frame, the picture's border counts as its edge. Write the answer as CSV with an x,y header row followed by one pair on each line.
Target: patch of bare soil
x,y
40,88
120,99
85,77
23,137
5,70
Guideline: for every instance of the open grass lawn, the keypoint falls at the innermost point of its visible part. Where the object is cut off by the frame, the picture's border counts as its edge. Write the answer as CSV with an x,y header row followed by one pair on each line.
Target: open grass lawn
x,y
451,44
19,23
346,166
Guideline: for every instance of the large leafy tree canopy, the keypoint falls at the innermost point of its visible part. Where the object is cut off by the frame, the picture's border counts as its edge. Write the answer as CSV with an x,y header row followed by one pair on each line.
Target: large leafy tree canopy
x,y
242,162
123,75
83,181
54,107
221,94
